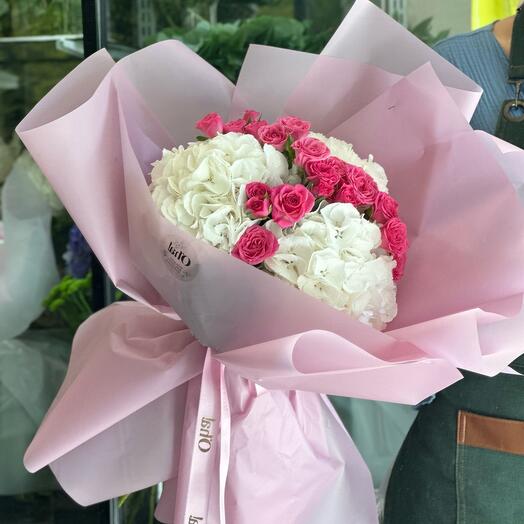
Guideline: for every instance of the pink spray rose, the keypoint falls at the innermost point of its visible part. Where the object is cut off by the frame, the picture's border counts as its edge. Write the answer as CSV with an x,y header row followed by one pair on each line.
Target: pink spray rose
x,y
308,148
211,125
250,115
351,172
235,126
325,175
255,245
296,127
395,237
258,207
254,127
385,208
257,189
359,188
290,203
274,135
398,272
259,202
347,194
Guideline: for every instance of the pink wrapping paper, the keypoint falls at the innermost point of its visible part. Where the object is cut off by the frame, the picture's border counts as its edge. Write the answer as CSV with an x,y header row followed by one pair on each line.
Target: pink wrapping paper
x,y
370,37
127,415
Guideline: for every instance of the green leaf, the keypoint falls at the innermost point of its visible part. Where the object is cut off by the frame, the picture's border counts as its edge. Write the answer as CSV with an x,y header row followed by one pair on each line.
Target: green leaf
x,y
423,31
225,45
4,7
368,213
122,500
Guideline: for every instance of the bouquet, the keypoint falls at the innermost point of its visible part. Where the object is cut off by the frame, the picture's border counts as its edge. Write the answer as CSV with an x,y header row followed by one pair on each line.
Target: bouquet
x,y
299,205
214,380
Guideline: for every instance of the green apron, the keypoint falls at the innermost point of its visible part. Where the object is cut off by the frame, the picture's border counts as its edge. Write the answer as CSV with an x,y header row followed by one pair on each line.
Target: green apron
x,y
463,459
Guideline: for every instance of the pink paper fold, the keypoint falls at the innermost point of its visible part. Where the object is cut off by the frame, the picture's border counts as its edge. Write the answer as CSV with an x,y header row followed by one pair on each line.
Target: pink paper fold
x,y
370,36
123,378
119,439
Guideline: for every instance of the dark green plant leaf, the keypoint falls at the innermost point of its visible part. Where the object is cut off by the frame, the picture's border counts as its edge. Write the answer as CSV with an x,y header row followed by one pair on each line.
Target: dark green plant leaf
x,y
225,45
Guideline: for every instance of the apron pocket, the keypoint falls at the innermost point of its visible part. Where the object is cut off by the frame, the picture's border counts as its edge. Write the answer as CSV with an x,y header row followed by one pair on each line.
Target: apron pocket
x,y
489,470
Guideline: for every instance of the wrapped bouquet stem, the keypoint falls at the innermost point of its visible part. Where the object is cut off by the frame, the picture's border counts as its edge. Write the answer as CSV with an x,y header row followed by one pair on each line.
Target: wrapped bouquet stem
x,y
319,170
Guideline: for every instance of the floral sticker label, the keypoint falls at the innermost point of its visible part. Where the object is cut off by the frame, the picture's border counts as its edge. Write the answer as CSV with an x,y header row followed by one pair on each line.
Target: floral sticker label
x,y
180,259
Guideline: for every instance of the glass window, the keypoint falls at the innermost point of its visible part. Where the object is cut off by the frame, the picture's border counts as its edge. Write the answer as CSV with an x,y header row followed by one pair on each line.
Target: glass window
x,y
40,42
221,30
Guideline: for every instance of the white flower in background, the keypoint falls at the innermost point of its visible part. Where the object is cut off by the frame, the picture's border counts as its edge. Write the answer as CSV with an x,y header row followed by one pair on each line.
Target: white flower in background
x,y
8,154
201,188
345,152
26,163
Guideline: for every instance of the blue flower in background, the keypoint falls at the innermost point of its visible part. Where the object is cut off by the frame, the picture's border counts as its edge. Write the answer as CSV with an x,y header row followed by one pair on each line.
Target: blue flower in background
x,y
78,254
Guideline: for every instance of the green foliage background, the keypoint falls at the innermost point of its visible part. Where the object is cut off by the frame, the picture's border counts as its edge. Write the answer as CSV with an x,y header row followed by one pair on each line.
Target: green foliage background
x,y
40,17
225,45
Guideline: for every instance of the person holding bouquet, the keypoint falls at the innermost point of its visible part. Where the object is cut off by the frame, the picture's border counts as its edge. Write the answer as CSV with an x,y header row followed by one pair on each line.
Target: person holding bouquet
x,y
463,459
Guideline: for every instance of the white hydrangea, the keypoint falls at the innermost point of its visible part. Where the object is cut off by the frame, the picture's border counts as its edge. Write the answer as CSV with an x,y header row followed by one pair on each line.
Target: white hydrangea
x,y
201,188
335,256
345,152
